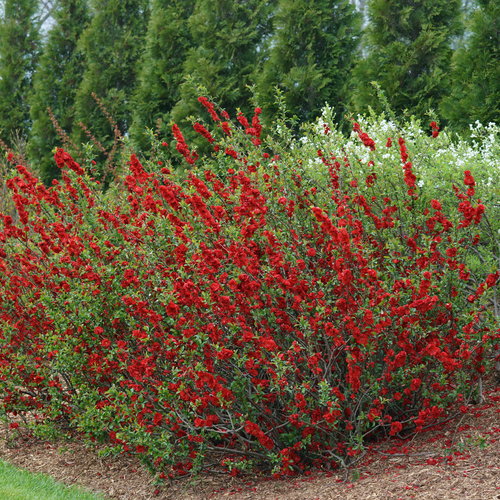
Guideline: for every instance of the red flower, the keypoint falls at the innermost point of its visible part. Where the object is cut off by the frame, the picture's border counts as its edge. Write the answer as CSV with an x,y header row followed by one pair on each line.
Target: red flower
x,y
182,147
468,179
198,127
492,278
172,309
226,128
402,149
106,343
436,205
209,107
365,138
252,428
353,375
231,152
395,428
241,118
139,334
64,159
399,360
225,354
268,343
451,252
435,129
415,384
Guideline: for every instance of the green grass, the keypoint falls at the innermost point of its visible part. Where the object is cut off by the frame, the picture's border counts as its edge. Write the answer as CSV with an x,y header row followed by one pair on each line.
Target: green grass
x,y
17,484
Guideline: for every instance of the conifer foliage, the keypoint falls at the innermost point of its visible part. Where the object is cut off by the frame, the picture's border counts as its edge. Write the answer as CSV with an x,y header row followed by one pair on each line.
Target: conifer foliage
x,y
19,49
227,35
111,46
55,82
145,62
407,51
167,42
311,56
475,91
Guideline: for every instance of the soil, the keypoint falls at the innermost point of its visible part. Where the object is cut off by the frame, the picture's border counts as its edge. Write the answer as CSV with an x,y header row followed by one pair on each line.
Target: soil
x,y
458,460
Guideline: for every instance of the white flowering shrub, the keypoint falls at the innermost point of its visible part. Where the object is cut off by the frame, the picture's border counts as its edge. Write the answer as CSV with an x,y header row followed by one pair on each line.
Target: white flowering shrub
x,y
438,160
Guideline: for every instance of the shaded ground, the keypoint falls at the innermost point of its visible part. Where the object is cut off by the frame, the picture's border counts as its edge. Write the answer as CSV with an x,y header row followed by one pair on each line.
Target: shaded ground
x,y
461,460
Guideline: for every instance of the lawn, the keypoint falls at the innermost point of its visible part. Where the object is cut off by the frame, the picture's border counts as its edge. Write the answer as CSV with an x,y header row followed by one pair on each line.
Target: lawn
x,y
17,484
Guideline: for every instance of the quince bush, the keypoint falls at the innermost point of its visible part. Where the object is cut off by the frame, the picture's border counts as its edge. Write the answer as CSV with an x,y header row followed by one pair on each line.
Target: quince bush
x,y
439,159
243,309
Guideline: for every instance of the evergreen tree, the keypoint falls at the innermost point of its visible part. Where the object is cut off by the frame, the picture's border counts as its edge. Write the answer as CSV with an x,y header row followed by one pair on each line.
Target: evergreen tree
x,y
167,42
407,51
229,35
311,56
111,45
475,89
19,49
55,82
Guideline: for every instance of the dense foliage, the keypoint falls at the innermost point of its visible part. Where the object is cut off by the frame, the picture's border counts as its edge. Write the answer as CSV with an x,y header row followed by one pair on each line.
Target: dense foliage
x,y
408,52
19,50
311,56
276,305
111,46
475,79
55,83
167,43
228,41
147,60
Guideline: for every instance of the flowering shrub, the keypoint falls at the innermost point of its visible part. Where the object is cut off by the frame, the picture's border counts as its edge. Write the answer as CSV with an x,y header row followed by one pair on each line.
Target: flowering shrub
x,y
438,161
244,310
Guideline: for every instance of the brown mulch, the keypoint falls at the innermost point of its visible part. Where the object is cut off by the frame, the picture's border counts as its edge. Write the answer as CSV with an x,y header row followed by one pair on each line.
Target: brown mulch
x,y
460,460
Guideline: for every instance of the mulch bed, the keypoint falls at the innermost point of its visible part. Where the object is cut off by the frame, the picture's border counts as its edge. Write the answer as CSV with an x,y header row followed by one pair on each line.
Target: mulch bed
x,y
457,461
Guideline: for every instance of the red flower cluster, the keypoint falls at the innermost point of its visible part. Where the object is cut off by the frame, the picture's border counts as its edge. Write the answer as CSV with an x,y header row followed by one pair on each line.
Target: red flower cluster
x,y
365,138
198,127
182,147
435,129
209,107
253,129
243,311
